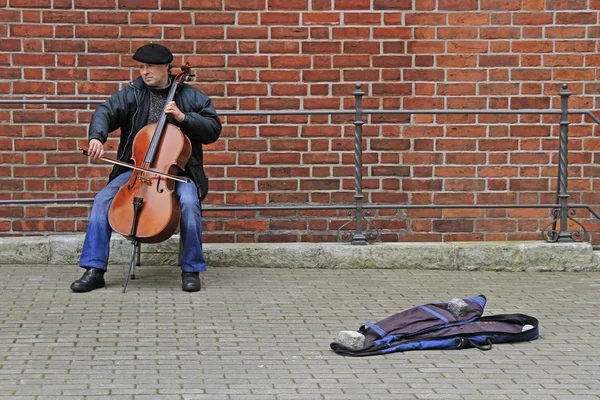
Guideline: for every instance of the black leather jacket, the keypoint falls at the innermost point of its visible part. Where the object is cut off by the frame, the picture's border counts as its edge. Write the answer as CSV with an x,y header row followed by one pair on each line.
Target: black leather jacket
x,y
128,109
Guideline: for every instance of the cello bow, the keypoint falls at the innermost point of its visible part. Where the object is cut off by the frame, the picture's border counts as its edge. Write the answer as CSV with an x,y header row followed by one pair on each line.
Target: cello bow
x,y
149,171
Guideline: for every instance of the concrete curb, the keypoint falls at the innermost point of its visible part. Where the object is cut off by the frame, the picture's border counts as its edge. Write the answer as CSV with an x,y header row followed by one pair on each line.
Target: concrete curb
x,y
489,256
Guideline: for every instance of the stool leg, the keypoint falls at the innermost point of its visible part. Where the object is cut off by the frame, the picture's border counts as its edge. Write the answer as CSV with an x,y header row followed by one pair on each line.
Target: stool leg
x,y
131,273
139,255
180,256
138,250
139,258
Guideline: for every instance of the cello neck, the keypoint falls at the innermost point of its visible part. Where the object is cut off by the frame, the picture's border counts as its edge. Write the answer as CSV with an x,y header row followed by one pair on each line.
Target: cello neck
x,y
160,126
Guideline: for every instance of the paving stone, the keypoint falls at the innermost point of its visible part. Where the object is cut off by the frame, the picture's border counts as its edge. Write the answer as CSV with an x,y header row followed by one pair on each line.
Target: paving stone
x,y
264,333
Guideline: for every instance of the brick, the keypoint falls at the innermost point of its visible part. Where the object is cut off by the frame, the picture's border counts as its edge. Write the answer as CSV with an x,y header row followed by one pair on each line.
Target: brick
x,y
423,74
279,47
493,33
288,4
71,46
33,171
566,4
182,18
248,61
352,4
288,90
458,33
32,116
202,5
390,171
529,102
563,60
321,48
10,45
323,103
34,88
279,18
33,225
455,61
62,17
497,5
35,144
148,32
573,74
94,4
565,32
96,32
533,18
30,31
426,19
280,158
392,4
362,18
289,33
351,61
332,75
465,75
321,184
449,225
457,5
247,90
576,18
497,198
278,131
529,158
244,225
456,89
288,145
30,3
247,33
529,46
471,46
426,47
469,18
392,33
351,33
244,5
420,185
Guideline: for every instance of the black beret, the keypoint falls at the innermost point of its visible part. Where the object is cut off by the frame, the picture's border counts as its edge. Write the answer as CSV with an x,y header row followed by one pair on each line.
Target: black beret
x,y
153,54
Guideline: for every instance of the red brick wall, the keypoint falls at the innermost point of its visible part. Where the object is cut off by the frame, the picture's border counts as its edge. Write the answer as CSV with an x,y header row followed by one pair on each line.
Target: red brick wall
x,y
303,54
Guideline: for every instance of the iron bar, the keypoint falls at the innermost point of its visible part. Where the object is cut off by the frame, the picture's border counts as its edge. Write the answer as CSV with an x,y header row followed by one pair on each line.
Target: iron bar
x,y
358,238
17,202
563,165
330,112
44,101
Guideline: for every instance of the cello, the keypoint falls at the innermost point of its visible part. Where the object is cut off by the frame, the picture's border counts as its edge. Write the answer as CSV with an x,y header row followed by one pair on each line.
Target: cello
x,y
146,208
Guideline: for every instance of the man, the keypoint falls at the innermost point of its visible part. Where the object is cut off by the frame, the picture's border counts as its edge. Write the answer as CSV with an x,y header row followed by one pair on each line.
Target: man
x,y
142,102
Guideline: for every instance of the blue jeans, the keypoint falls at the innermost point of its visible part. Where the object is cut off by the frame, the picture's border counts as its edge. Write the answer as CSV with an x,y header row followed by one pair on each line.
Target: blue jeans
x,y
96,246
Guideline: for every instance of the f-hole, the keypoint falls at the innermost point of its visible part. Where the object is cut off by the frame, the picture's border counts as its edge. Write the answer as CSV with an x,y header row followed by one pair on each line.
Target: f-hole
x,y
132,184
158,188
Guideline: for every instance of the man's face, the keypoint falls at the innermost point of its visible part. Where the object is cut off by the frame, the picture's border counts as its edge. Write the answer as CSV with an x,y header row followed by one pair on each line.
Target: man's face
x,y
154,74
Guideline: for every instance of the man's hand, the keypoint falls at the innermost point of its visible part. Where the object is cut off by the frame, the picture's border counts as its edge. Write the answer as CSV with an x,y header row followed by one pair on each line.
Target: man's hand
x,y
172,109
95,149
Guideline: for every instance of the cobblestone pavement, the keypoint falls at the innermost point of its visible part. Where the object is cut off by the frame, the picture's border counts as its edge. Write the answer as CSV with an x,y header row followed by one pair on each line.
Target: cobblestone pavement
x,y
265,334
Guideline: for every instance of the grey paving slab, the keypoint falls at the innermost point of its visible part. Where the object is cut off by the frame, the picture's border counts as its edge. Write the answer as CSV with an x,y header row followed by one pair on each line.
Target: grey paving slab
x,y
264,333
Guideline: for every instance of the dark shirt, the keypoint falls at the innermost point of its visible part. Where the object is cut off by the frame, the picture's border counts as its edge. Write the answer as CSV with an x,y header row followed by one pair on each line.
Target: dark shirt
x,y
158,98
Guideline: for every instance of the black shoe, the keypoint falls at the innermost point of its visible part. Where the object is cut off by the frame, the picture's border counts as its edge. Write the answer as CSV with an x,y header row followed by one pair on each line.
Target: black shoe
x,y
191,281
93,278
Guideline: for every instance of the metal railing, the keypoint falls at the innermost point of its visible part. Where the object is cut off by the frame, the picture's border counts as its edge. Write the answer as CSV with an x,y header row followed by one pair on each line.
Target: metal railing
x,y
562,211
